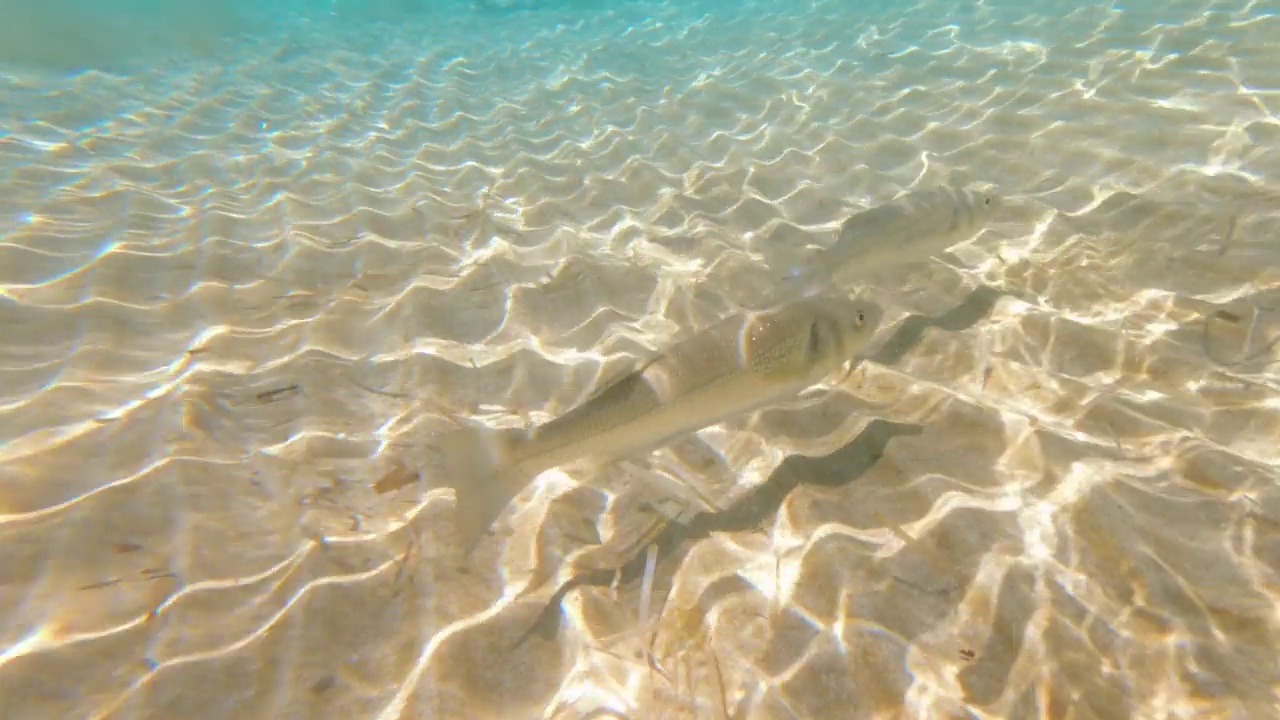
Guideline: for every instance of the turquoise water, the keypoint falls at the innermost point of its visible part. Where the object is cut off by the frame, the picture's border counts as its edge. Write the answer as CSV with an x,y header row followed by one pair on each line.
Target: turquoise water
x,y
255,259
76,35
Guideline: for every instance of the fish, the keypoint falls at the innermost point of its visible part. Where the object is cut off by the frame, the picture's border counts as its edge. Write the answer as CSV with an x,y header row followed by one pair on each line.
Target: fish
x,y
745,361
913,227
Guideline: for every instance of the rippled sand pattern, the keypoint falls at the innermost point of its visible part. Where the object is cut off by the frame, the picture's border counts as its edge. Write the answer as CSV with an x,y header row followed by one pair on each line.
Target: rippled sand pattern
x,y
235,297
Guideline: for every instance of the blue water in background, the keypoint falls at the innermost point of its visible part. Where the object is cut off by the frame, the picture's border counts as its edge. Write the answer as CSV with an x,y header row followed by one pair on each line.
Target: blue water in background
x,y
74,35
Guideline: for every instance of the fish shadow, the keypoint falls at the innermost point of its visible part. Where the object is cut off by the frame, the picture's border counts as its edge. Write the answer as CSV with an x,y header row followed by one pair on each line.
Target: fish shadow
x,y
836,469
976,306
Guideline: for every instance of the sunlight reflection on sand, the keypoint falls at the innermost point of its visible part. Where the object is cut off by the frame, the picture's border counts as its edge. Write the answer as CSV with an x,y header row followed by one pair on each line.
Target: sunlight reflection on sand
x,y
234,299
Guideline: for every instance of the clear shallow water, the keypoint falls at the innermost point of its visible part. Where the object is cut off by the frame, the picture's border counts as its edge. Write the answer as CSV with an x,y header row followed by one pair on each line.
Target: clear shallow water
x,y
242,285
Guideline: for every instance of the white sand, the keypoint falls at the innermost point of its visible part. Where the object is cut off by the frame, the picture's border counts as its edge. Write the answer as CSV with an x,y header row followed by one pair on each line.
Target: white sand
x,y
237,292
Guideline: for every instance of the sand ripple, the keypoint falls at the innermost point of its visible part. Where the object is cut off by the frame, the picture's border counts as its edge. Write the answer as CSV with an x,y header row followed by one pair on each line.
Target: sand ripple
x,y
235,293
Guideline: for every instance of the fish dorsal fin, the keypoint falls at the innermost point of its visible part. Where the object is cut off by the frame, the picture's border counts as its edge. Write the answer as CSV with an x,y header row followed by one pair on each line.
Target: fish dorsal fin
x,y
625,395
617,379
620,386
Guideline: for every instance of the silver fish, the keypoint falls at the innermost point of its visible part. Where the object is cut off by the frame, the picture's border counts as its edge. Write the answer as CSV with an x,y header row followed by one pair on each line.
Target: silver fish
x,y
913,227
743,362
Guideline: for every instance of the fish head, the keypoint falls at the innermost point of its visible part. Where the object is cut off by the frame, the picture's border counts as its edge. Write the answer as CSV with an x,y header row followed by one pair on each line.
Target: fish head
x,y
981,205
841,327
808,339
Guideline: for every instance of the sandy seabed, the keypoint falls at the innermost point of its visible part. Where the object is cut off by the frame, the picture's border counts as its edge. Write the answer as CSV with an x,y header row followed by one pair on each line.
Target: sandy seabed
x,y
239,293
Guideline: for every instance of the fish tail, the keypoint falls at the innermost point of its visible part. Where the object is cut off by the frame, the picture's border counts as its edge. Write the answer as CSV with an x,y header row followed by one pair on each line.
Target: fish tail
x,y
478,466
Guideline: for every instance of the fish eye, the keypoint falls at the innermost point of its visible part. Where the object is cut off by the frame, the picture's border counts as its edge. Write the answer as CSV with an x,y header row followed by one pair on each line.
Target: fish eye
x,y
860,318
986,200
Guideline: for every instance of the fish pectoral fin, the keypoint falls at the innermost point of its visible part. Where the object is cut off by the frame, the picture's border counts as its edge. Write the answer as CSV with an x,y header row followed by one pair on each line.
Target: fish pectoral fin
x,y
846,371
